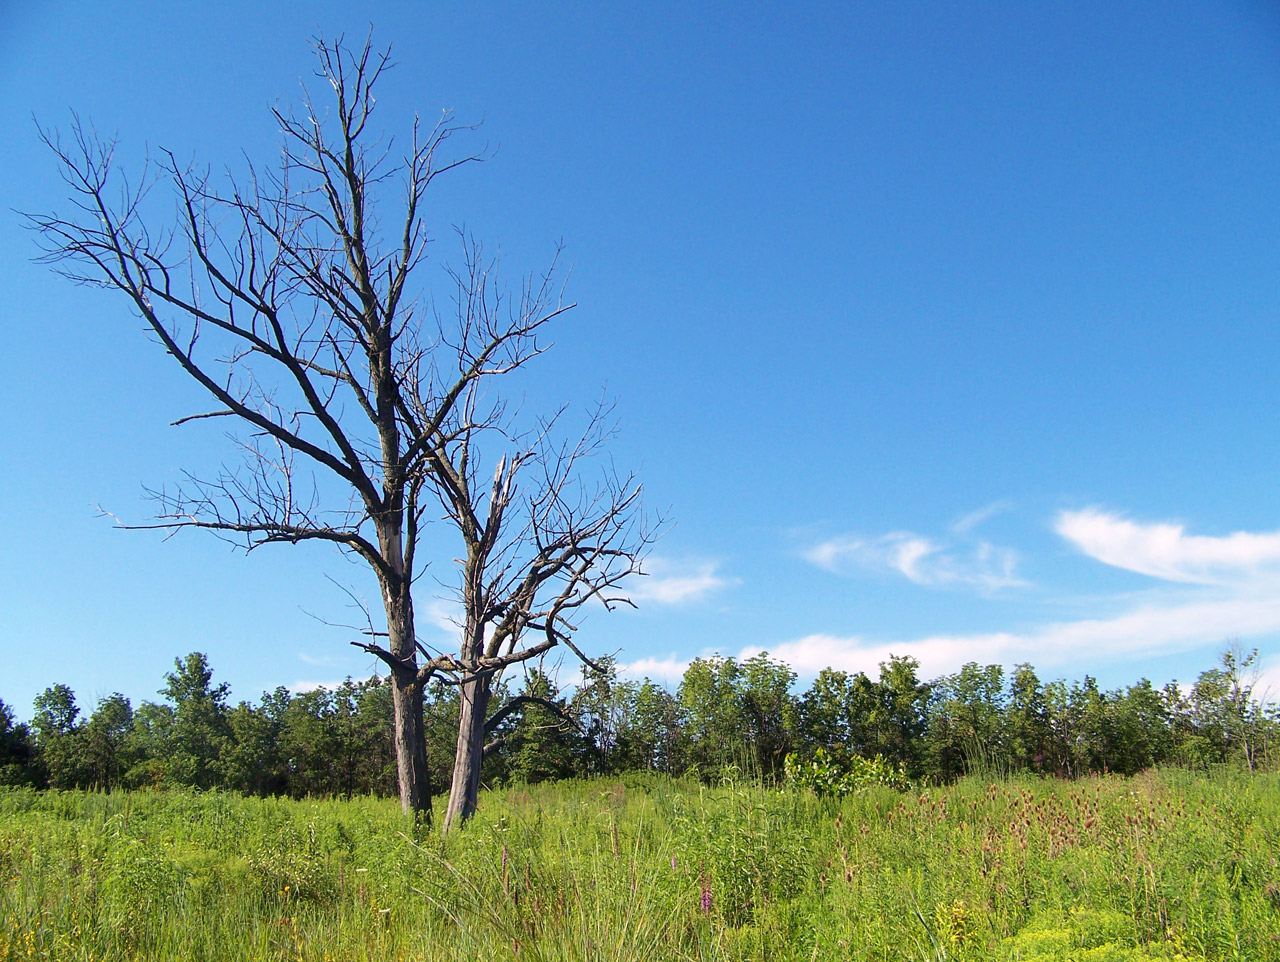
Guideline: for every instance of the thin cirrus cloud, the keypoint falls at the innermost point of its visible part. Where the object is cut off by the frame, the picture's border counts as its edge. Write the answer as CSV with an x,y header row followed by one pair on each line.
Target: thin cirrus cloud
x,y
979,565
320,661
443,615
974,518
667,582
1167,552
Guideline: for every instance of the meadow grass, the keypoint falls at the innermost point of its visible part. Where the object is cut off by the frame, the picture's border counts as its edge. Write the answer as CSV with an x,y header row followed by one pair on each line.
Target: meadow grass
x,y
1167,865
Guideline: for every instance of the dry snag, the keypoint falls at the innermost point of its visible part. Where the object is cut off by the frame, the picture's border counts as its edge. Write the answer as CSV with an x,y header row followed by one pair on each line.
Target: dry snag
x,y
362,416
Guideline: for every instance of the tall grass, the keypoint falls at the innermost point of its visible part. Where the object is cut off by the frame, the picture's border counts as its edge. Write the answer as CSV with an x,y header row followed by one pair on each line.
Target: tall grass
x,y
1162,866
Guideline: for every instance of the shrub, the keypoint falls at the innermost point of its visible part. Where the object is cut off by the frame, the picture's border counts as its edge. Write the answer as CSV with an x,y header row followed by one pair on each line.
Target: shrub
x,y
824,777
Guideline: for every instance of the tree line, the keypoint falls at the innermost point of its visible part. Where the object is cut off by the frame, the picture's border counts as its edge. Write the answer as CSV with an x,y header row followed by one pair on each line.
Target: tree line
x,y
726,716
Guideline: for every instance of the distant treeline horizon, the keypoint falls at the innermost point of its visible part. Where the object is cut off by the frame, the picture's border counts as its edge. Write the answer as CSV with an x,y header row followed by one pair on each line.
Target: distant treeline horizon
x,y
726,717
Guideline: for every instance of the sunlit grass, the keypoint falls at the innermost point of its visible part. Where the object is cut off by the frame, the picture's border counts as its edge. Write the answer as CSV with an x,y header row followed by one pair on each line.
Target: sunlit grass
x,y
1163,866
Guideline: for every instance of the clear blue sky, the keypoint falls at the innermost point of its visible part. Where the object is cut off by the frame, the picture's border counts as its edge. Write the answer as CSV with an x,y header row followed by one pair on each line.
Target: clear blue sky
x,y
944,329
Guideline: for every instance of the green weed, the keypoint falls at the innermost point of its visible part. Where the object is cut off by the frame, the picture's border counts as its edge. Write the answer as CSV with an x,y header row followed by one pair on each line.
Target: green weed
x,y
1162,866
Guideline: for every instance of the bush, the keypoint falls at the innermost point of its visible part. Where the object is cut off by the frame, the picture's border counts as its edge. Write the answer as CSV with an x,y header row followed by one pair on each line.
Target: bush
x,y
824,777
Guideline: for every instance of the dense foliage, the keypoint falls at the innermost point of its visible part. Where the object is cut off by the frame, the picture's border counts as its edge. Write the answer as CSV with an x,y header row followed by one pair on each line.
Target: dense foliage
x,y
726,716
1168,865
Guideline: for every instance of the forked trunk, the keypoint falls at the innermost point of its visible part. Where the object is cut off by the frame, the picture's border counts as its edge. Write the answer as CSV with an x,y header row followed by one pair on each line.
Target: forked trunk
x,y
473,708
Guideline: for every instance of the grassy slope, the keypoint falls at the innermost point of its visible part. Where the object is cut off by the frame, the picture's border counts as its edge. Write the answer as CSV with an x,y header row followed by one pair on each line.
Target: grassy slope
x,y
1165,865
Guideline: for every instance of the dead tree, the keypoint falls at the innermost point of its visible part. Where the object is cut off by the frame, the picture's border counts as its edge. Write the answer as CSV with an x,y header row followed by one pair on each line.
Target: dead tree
x,y
291,296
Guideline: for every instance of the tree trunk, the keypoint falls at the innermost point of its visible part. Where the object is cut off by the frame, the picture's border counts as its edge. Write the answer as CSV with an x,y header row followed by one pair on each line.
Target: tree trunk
x,y
410,745
473,708
409,734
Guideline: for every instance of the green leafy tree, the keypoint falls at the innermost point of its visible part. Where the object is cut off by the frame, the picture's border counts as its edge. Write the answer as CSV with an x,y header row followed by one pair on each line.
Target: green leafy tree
x,y
325,742
769,713
714,724
966,716
1027,721
59,738
1095,740
1245,718
1062,721
337,741
1142,729
1221,720
309,744
149,744
56,712
366,752
441,709
651,733
900,716
200,729
828,716
602,706
251,761
17,753
105,741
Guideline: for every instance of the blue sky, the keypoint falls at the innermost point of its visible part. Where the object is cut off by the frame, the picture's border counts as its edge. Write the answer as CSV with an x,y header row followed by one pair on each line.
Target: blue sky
x,y
938,329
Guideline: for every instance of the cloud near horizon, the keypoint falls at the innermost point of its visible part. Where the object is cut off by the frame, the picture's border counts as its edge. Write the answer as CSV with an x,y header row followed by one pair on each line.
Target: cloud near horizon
x,y
1267,686
668,670
1145,630
302,687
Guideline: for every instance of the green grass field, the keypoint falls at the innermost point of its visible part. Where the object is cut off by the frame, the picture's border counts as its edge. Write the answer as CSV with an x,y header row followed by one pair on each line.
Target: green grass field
x,y
1168,865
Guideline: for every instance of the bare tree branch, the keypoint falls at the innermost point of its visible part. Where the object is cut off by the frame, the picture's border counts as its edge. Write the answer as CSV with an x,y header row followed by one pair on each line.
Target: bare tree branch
x,y
520,701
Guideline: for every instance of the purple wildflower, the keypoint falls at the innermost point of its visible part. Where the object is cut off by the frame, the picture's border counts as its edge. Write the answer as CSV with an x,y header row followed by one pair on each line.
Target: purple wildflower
x,y
706,891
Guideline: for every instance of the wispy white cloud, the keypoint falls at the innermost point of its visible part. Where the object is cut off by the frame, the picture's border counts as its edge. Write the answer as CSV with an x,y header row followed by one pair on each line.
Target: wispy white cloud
x,y
899,551
972,563
1166,551
442,614
668,582
320,661
966,523
835,554
664,581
